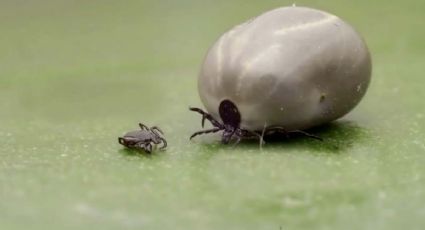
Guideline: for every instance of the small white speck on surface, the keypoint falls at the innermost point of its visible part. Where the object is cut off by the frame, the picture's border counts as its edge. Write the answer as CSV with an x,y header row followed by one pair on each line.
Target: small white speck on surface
x,y
295,202
281,108
395,90
359,87
87,210
294,4
382,195
64,155
419,143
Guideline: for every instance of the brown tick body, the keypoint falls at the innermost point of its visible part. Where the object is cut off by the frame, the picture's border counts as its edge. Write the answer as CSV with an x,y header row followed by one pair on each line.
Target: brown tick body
x,y
143,139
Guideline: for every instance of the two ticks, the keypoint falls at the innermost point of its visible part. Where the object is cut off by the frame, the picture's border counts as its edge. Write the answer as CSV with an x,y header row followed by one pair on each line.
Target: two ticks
x,y
285,71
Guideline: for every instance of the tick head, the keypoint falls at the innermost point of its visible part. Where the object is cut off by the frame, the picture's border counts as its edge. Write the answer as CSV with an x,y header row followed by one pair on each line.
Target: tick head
x,y
229,114
124,141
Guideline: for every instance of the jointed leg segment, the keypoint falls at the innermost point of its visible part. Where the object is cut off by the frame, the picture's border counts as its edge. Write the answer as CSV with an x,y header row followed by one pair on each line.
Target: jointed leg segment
x,y
143,127
207,116
214,130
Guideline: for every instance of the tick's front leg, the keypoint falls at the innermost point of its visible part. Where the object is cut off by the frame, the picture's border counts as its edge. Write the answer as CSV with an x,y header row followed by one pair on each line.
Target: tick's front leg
x,y
157,129
207,116
204,132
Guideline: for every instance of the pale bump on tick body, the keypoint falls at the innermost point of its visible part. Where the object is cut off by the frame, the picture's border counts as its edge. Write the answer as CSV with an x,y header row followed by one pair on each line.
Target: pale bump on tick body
x,y
294,67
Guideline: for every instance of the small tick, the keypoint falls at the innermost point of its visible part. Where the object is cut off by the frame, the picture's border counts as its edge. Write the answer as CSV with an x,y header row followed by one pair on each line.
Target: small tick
x,y
143,139
231,118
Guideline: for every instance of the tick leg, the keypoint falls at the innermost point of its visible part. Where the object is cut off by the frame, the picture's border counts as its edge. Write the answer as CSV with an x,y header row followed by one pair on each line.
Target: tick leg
x,y
204,132
143,127
307,134
156,133
251,134
207,116
276,129
284,131
159,138
157,129
164,143
147,148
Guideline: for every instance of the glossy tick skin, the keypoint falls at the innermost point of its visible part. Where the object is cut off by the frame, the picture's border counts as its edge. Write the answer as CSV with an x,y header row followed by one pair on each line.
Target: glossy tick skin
x,y
291,67
231,118
143,139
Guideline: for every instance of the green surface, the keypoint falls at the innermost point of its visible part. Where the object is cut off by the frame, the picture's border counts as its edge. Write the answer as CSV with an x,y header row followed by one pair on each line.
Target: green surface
x,y
75,75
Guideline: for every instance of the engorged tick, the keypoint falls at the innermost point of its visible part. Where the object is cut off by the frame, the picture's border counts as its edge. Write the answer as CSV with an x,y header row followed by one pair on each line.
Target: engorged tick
x,y
231,118
293,67
143,139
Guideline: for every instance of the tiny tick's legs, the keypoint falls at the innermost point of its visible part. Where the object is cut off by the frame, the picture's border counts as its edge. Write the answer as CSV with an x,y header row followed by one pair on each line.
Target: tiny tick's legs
x,y
207,116
160,139
139,146
158,129
121,140
204,132
154,131
164,143
143,127
148,148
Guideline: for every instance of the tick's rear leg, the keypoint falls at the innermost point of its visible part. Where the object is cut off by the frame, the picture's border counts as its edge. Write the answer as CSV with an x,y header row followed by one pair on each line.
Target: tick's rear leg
x,y
164,143
143,127
307,134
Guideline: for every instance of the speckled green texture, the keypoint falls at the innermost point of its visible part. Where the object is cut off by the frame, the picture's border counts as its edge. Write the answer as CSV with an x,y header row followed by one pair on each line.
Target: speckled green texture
x,y
75,75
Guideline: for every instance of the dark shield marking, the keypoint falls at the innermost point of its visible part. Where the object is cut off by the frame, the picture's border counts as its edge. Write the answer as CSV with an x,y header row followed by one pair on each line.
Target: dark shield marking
x,y
229,113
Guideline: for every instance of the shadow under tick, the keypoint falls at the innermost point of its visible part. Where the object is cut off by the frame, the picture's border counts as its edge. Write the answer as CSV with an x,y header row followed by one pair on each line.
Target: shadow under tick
x,y
338,137
135,153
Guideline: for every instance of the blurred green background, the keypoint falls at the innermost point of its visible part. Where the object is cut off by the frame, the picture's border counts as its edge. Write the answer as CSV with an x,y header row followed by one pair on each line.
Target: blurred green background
x,y
75,75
